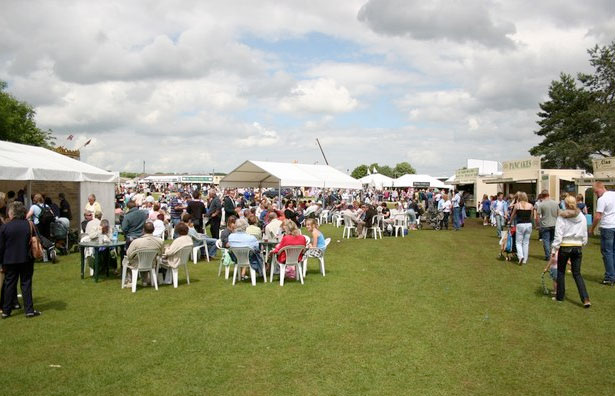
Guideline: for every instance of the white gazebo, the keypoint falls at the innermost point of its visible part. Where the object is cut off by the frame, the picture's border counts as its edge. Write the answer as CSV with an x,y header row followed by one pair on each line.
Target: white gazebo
x,y
39,170
262,174
377,180
418,181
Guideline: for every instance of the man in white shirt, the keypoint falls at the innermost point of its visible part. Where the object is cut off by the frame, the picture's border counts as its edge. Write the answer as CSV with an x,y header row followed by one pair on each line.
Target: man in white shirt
x,y
605,216
500,208
273,228
457,210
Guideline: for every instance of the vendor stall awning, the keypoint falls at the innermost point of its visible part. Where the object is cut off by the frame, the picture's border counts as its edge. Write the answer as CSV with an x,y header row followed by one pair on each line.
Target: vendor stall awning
x,y
419,181
274,174
509,180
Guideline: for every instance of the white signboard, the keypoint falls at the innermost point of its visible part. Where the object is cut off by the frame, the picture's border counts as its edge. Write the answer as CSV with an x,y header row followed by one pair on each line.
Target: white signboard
x,y
604,167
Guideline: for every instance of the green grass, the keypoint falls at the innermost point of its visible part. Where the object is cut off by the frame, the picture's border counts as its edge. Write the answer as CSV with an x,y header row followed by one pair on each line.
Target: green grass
x,y
434,313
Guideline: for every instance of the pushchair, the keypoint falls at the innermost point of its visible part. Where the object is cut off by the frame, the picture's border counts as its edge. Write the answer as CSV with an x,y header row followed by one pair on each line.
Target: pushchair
x,y
432,217
63,237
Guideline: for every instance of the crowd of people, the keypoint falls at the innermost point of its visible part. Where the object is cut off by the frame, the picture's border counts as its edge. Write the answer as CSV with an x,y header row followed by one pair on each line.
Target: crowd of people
x,y
245,218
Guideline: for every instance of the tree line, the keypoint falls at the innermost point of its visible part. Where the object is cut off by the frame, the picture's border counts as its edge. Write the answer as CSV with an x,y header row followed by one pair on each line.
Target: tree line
x,y
398,170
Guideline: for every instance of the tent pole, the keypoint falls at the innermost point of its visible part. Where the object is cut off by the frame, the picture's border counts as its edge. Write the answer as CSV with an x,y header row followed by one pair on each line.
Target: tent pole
x,y
28,198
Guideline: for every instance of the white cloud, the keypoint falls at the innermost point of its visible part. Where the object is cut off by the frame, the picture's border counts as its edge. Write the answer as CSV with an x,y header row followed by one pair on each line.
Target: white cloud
x,y
258,136
322,95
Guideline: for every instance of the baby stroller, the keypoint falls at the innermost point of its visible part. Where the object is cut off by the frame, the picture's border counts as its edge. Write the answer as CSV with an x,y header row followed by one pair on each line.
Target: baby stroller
x,y
432,217
62,236
508,245
49,249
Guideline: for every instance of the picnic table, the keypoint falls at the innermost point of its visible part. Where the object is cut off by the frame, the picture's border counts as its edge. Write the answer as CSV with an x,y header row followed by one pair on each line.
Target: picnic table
x,y
117,245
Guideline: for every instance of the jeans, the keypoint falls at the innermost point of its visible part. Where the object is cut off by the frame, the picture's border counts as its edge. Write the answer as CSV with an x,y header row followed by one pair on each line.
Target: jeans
x,y
607,248
412,215
444,224
575,255
547,234
499,222
524,231
456,218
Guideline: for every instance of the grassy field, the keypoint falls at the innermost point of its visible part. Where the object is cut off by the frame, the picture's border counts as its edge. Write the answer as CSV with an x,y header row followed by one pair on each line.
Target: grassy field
x,y
431,314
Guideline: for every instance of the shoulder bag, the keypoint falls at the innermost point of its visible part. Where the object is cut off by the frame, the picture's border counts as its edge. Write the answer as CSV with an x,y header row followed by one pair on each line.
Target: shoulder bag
x,y
36,248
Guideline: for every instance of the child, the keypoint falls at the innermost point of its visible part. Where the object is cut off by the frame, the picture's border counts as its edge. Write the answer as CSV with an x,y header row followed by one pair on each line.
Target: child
x,y
552,268
507,244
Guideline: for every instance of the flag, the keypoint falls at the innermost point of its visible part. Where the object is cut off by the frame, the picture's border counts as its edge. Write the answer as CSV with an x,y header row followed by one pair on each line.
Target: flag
x,y
70,137
88,142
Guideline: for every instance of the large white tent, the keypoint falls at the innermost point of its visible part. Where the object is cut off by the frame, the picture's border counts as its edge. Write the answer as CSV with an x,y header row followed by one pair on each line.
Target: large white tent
x,y
377,180
24,165
419,181
277,174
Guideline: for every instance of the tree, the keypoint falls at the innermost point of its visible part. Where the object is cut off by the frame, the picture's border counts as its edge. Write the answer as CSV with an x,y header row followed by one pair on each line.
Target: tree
x,y
568,127
359,172
403,168
17,122
578,122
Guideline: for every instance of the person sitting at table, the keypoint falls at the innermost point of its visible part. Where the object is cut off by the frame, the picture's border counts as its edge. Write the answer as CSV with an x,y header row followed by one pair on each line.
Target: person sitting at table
x,y
92,229
290,213
292,237
200,239
170,258
146,242
272,230
317,242
230,227
354,216
133,222
311,210
253,228
87,217
154,211
240,238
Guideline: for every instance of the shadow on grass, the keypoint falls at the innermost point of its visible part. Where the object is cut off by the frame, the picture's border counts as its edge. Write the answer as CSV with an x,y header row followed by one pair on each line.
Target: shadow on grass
x,y
52,305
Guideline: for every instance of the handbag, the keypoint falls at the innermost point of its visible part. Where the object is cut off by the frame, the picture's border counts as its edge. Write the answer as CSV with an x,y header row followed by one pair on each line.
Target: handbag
x,y
36,247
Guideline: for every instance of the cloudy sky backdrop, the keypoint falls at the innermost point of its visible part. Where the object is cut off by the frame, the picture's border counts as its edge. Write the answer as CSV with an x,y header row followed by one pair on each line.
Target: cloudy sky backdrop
x,y
201,85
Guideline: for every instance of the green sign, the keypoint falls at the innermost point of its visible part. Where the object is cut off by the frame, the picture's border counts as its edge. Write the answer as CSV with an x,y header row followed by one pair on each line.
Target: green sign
x,y
198,179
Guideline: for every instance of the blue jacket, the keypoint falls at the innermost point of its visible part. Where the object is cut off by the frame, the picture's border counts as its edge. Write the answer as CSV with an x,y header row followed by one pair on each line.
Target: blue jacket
x,y
133,223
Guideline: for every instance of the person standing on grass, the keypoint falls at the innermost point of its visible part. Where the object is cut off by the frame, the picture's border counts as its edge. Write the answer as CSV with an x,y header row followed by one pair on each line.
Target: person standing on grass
x,y
570,237
486,209
444,206
17,262
522,215
605,217
457,206
546,217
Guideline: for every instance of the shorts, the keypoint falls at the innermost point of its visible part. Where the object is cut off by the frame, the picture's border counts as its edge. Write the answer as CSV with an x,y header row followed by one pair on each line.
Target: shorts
x,y
553,273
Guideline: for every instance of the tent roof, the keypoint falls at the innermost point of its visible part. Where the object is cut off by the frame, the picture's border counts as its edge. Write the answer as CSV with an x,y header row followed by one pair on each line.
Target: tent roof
x,y
409,181
377,180
22,162
274,174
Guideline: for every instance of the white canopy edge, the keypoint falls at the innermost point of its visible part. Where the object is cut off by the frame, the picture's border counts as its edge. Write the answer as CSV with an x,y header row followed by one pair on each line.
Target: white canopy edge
x,y
409,180
278,174
23,162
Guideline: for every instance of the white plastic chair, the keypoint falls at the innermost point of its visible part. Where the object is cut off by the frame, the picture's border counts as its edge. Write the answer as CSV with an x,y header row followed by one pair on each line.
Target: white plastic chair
x,y
400,224
242,256
196,252
293,252
226,269
339,219
184,256
375,228
349,227
321,259
145,260
324,217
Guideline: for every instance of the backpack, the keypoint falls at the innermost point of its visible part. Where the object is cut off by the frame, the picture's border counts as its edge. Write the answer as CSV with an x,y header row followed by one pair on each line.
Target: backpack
x,y
46,216
462,202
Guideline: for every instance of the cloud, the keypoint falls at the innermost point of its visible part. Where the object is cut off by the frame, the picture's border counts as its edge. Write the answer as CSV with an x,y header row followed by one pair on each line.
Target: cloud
x,y
322,95
457,21
259,136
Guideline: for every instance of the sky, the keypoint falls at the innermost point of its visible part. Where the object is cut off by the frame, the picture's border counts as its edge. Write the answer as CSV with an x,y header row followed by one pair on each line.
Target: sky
x,y
201,86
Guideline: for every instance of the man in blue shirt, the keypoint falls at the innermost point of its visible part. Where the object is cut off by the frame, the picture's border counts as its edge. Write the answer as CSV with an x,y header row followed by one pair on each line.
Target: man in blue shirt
x,y
457,206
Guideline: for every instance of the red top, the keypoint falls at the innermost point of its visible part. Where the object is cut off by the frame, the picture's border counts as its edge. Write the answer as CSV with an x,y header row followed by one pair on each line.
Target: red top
x,y
289,240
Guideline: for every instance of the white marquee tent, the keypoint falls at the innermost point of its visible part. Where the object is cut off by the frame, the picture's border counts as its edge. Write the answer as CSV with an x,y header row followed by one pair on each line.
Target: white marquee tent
x,y
21,163
419,181
377,180
277,174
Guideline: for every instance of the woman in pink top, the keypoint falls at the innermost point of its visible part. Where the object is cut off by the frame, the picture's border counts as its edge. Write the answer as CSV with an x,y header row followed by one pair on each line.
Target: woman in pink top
x,y
292,236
